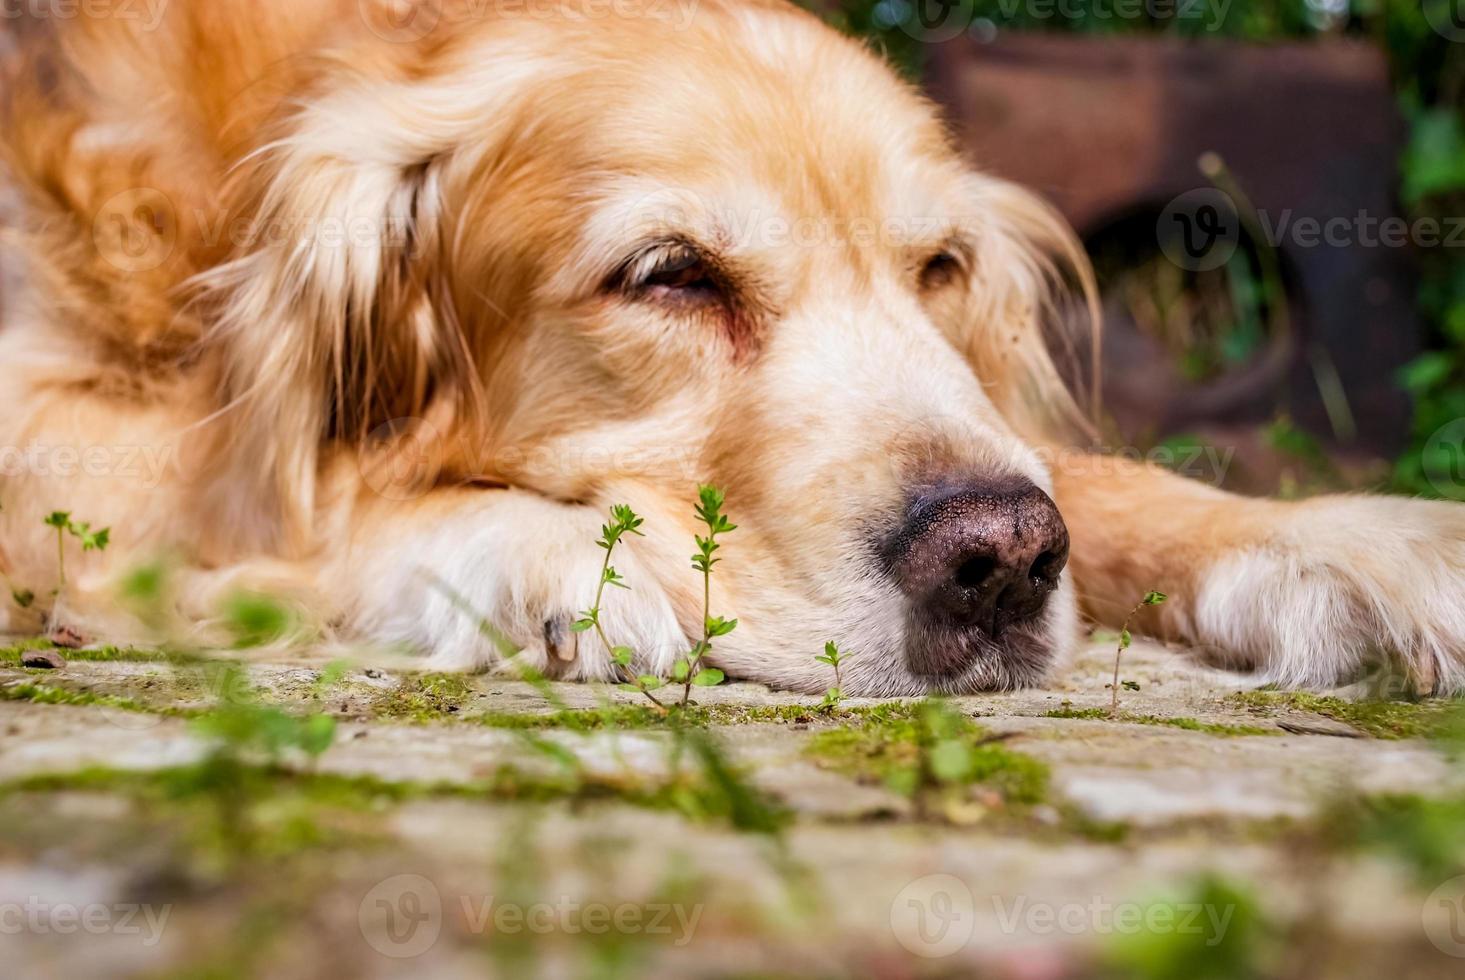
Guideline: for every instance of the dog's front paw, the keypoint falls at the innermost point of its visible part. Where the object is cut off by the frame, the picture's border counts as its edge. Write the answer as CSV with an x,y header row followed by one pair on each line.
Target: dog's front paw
x,y
517,572
1343,585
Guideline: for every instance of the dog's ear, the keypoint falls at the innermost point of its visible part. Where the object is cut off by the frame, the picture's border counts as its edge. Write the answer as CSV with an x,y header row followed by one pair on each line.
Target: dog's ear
x,y
1035,300
333,317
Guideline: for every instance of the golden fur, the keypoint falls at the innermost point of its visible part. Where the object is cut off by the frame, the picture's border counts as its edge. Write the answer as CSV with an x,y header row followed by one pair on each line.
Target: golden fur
x,y
350,285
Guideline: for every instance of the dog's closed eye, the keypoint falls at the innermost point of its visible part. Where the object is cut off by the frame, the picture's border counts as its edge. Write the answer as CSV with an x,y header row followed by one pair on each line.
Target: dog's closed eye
x,y
941,269
670,271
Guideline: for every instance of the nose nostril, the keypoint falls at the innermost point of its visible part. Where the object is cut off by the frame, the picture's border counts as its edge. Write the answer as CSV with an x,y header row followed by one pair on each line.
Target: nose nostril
x,y
977,563
974,573
1046,569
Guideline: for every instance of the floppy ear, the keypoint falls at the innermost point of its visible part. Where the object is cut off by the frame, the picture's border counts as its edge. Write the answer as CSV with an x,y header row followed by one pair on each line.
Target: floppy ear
x,y
1035,298
333,317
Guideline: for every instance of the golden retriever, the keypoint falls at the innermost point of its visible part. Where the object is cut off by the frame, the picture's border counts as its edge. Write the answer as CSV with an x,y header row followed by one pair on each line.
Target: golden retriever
x,y
383,301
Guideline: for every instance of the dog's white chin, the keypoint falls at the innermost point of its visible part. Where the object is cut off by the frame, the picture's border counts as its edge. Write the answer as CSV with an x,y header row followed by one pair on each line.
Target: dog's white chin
x,y
1023,658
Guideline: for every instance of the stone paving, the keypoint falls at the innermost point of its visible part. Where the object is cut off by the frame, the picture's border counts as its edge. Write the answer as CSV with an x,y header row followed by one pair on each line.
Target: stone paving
x,y
402,850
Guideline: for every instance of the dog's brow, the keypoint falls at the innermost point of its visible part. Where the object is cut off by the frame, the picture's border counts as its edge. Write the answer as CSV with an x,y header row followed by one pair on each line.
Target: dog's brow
x,y
961,243
634,217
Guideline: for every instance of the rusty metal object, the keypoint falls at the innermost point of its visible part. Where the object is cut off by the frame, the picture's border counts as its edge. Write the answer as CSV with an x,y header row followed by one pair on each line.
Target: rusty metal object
x,y
1111,131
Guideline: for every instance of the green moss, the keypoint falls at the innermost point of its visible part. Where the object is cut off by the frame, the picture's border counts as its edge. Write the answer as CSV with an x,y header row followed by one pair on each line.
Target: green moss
x,y
777,714
425,698
1207,948
164,692
1379,719
1074,822
1426,834
636,716
45,694
283,790
914,747
227,814
1187,724
10,655
353,792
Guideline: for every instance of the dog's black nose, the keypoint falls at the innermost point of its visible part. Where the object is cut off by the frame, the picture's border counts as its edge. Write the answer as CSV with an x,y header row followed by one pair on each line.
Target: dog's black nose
x,y
981,557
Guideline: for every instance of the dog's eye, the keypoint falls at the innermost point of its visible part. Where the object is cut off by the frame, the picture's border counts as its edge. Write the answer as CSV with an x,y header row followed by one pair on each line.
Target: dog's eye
x,y
681,271
940,270
671,271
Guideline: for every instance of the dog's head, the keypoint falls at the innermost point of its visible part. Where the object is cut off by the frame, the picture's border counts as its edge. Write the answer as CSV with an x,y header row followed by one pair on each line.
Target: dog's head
x,y
622,256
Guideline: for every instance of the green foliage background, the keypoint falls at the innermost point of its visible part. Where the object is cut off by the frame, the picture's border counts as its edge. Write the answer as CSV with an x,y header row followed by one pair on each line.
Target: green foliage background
x,y
1429,78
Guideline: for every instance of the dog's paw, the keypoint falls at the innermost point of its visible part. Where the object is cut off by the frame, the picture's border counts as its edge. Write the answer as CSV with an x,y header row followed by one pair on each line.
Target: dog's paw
x,y
1344,585
517,571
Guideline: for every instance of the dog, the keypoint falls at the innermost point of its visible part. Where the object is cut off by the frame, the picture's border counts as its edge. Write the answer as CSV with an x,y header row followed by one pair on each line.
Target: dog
x,y
383,305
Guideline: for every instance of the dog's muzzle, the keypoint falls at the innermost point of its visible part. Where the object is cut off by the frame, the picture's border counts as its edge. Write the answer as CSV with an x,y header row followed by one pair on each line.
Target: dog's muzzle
x,y
976,561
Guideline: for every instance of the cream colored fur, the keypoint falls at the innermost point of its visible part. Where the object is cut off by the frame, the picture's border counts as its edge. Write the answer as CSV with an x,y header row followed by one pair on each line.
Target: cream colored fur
x,y
368,323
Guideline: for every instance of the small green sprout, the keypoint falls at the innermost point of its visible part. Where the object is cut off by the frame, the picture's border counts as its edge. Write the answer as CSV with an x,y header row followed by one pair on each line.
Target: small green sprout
x,y
835,694
690,670
257,620
1151,599
90,540
144,585
334,673
623,521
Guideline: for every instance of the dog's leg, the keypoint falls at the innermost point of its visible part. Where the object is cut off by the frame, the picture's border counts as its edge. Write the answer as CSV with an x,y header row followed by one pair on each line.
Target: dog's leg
x,y
1306,593
449,573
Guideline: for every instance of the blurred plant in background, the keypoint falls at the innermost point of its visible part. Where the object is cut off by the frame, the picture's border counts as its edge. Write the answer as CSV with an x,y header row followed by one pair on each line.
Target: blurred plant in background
x,y
1428,69
1429,72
